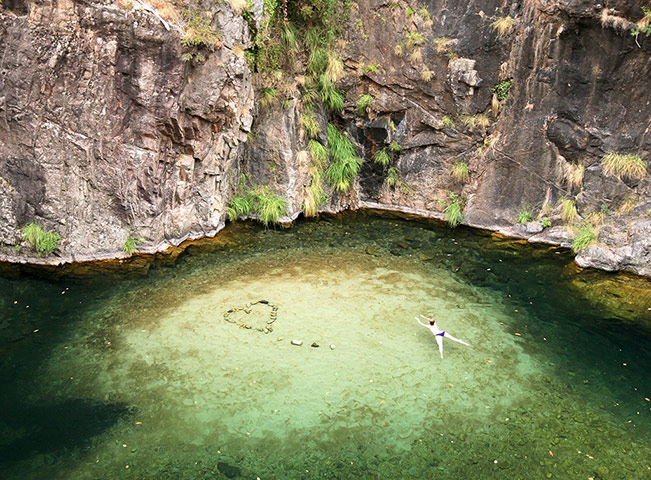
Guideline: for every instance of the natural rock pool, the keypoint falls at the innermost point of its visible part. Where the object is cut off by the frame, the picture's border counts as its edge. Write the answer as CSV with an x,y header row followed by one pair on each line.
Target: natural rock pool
x,y
146,378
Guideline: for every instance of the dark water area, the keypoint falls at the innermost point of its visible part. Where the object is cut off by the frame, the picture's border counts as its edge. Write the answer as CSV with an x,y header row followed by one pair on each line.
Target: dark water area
x,y
116,377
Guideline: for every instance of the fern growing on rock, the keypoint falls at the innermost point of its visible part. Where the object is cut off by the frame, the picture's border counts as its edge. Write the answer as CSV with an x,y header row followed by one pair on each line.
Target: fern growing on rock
x,y
392,177
381,157
131,242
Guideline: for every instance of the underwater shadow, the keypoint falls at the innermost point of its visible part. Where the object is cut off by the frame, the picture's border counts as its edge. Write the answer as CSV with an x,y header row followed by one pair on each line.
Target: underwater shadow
x,y
53,427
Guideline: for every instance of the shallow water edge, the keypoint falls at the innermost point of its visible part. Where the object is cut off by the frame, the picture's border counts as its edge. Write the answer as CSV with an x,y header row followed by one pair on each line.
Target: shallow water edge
x,y
165,252
621,294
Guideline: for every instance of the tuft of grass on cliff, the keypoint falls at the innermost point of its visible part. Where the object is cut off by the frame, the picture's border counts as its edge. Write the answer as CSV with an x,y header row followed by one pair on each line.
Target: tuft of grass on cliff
x,y
460,172
585,237
258,200
344,163
298,39
568,210
504,25
42,241
314,195
453,212
363,103
624,165
198,32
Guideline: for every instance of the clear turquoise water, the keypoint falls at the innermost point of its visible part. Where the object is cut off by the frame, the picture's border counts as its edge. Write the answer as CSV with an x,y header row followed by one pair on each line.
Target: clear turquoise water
x,y
142,378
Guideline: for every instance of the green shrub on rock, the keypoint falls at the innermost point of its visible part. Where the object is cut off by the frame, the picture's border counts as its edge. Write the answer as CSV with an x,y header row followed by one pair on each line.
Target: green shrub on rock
x,y
503,89
44,242
131,242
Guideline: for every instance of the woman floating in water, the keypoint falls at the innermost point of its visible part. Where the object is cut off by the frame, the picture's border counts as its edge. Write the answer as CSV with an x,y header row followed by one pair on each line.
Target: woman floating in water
x,y
439,334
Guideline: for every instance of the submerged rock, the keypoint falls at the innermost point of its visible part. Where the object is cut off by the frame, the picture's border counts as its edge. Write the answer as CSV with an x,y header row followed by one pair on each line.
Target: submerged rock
x,y
374,251
602,471
231,471
621,295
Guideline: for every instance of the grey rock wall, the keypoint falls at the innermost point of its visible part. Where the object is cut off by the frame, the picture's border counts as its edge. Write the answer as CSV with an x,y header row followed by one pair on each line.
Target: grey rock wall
x,y
579,92
105,128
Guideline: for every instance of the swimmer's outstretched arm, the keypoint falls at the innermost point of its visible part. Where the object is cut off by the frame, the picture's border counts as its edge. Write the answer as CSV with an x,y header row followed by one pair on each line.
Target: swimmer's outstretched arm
x,y
426,326
447,335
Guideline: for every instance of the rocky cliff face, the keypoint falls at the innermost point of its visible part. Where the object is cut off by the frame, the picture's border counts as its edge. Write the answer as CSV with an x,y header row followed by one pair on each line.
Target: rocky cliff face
x,y
105,128
578,92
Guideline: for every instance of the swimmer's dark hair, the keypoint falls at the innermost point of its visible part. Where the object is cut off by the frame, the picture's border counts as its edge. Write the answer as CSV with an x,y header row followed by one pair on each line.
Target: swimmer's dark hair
x,y
432,321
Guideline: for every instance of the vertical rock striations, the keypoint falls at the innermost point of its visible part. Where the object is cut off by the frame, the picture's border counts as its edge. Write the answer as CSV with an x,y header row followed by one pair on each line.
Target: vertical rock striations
x,y
506,109
105,128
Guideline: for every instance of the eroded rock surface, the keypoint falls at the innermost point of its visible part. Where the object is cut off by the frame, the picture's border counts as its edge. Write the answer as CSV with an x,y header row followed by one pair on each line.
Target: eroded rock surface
x,y
105,128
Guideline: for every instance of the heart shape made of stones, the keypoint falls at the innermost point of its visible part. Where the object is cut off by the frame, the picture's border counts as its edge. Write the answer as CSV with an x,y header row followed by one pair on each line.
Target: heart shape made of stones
x,y
231,314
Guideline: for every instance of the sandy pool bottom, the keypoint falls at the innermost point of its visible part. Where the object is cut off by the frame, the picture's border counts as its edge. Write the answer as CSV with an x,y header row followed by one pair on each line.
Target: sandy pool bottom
x,y
207,395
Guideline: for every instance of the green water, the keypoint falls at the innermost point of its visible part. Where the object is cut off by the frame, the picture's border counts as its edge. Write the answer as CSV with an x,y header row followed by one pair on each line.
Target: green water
x,y
144,379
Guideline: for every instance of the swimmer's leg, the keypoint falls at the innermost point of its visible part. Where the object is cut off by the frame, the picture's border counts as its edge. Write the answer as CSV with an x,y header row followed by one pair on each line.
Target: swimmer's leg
x,y
439,340
447,335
